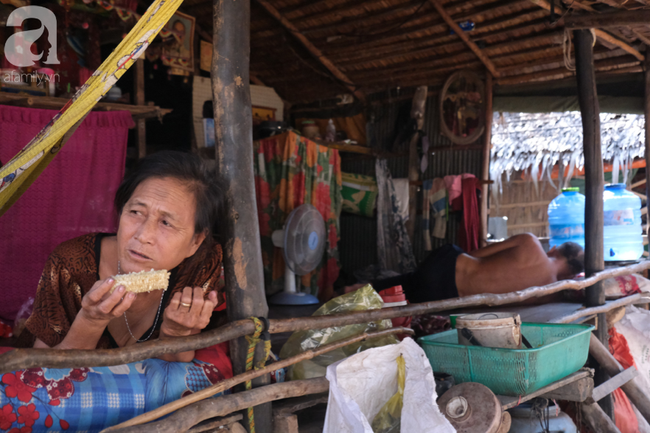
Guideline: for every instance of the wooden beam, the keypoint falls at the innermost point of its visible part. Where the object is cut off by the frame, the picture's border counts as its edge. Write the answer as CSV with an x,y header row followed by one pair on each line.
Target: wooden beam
x,y
461,34
312,49
485,166
417,114
646,112
508,402
614,383
604,20
256,80
233,123
604,36
601,35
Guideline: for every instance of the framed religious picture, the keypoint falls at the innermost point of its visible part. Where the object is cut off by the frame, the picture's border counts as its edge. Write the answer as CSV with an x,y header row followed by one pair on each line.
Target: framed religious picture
x,y
178,50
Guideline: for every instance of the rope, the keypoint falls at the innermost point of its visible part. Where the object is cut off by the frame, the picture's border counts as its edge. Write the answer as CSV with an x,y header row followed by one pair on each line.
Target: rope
x,y
261,324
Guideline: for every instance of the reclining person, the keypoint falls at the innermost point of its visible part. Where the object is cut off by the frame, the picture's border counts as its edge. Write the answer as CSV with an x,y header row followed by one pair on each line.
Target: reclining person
x,y
509,266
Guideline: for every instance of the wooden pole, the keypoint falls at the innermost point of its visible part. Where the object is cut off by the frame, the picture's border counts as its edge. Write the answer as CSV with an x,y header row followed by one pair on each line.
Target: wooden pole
x,y
417,113
140,100
612,367
646,111
184,419
597,419
19,359
594,184
485,169
233,125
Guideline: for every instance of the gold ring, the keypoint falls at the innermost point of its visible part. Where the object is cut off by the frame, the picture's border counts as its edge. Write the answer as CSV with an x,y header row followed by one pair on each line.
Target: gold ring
x,y
183,304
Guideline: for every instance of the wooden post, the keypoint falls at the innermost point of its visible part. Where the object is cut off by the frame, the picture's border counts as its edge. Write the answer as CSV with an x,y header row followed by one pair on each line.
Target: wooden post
x,y
233,123
646,111
485,169
594,184
417,113
140,100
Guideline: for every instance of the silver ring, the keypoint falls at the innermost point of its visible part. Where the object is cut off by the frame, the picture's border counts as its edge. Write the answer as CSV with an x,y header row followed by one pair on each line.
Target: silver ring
x,y
183,304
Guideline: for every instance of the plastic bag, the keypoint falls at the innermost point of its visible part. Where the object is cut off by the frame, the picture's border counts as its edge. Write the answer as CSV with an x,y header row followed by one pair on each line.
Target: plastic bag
x,y
389,417
363,299
361,385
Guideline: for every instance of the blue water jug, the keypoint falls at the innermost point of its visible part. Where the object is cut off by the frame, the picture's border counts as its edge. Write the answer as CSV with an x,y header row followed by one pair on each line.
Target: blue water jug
x,y
623,233
566,218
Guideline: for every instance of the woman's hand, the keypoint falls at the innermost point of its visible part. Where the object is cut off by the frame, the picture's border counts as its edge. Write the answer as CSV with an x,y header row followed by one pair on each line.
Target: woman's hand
x,y
188,313
99,306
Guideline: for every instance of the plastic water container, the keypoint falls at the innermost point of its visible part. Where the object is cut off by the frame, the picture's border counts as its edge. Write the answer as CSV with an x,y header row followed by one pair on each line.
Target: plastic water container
x,y
623,233
566,218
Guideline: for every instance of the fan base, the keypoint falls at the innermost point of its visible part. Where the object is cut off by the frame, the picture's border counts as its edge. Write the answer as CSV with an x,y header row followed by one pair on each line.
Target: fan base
x,y
284,298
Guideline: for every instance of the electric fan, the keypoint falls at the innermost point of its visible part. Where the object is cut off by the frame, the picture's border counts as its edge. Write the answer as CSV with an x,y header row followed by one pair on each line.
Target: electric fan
x,y
302,241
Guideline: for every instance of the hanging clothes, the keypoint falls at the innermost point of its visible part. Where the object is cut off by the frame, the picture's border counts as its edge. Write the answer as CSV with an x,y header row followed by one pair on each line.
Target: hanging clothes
x,y
291,170
426,232
468,235
439,207
393,245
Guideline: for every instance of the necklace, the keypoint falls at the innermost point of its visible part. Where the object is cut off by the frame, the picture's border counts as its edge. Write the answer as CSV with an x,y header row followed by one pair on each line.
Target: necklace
x,y
153,328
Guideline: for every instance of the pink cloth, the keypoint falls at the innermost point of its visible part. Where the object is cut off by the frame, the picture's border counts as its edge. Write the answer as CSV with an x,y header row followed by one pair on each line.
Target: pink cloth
x,y
454,185
73,196
469,230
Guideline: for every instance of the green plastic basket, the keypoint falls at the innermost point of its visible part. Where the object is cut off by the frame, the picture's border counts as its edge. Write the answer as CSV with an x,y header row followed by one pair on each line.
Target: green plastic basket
x,y
558,350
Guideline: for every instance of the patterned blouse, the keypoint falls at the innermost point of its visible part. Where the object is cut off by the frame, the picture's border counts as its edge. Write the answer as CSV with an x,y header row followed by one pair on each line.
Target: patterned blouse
x,y
72,270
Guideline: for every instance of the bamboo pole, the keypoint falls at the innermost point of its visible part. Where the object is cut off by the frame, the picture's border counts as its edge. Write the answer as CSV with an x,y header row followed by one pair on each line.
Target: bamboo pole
x,y
229,383
638,298
56,358
184,419
604,20
485,169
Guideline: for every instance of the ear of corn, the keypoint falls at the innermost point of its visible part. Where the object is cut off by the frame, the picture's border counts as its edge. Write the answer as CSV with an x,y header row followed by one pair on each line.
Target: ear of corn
x,y
138,282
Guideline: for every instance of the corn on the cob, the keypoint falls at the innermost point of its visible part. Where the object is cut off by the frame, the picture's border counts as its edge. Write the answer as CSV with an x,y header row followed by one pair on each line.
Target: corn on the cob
x,y
138,282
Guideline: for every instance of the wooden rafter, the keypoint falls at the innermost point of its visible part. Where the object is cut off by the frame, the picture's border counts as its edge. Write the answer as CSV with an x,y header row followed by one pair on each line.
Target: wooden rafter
x,y
600,34
461,34
312,49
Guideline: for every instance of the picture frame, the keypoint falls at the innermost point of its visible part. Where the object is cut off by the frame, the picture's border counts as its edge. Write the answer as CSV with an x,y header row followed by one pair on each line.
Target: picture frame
x,y
179,53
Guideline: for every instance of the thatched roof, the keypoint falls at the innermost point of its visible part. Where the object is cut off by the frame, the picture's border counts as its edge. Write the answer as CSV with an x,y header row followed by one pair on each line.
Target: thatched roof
x,y
536,142
380,44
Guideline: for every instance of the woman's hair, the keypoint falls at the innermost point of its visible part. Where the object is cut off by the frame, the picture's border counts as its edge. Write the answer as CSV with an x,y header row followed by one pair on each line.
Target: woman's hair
x,y
193,171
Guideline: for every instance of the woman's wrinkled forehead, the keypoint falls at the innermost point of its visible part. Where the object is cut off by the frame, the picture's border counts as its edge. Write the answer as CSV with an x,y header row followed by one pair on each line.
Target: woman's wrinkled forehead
x,y
168,196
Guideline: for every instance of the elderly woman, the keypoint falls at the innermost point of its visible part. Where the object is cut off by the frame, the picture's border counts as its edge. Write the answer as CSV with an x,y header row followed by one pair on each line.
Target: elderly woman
x,y
168,209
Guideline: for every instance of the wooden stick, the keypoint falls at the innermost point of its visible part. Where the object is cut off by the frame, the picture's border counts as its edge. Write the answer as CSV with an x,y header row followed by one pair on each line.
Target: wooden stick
x,y
485,162
604,20
417,113
612,367
54,358
604,36
638,298
461,34
185,418
646,112
249,375
597,419
318,54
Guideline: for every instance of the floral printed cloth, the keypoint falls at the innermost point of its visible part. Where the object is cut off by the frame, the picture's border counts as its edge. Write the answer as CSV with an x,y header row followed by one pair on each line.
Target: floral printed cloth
x,y
91,399
291,170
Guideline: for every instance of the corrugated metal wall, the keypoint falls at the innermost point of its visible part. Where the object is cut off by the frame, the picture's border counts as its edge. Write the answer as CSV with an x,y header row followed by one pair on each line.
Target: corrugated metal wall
x,y
358,247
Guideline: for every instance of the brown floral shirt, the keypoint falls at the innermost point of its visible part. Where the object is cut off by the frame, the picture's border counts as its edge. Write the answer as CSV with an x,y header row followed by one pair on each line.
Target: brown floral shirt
x,y
70,272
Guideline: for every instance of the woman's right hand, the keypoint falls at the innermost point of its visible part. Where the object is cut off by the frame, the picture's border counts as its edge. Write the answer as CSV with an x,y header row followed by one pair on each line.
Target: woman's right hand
x,y
100,306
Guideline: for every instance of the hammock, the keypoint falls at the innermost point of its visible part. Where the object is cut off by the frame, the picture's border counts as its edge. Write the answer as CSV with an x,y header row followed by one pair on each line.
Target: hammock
x,y
21,171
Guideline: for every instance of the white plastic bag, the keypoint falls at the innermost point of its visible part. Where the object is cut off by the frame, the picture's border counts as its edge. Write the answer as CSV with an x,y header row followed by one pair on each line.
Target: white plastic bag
x,y
361,384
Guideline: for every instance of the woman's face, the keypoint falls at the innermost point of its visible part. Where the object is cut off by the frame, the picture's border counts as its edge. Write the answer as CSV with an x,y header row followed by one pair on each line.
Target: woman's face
x,y
156,229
